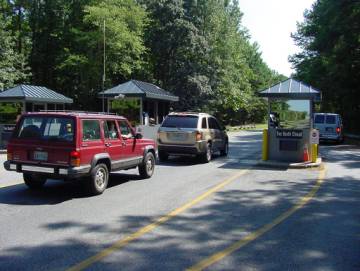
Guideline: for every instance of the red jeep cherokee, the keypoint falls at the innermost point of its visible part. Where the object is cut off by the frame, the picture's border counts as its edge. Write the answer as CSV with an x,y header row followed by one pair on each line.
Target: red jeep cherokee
x,y
71,145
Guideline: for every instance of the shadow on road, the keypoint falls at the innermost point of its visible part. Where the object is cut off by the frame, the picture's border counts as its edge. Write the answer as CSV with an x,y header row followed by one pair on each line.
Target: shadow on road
x,y
195,235
324,235
55,192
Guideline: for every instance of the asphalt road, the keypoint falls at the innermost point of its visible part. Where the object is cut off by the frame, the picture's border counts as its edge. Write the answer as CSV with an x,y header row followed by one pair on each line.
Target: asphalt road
x,y
226,215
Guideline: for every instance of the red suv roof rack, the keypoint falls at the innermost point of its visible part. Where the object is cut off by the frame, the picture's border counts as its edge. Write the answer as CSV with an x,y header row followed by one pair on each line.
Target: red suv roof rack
x,y
76,111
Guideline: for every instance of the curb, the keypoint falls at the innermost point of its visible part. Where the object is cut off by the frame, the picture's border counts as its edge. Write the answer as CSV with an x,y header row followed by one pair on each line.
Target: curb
x,y
276,164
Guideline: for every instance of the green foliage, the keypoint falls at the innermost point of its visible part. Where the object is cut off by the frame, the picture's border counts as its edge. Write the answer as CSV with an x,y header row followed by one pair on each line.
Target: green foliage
x,y
68,45
9,112
129,108
197,49
330,57
124,105
201,52
13,67
124,26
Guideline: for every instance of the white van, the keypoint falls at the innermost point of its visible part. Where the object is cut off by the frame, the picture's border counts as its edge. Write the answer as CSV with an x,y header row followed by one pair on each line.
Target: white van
x,y
329,125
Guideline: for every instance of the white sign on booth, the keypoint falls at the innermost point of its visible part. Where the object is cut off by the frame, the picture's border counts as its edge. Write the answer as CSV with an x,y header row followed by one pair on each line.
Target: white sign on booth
x,y
314,136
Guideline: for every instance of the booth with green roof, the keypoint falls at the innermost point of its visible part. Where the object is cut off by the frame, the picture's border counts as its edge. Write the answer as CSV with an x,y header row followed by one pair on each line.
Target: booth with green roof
x,y
290,136
26,98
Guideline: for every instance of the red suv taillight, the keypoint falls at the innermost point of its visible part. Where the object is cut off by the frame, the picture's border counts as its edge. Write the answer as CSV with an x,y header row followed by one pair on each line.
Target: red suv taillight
x,y
198,136
75,158
338,130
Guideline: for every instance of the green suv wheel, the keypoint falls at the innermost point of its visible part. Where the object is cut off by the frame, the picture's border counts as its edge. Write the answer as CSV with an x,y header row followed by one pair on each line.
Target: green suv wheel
x,y
225,151
207,155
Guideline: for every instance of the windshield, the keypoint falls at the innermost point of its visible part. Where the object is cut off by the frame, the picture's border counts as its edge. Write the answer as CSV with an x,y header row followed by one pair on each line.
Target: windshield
x,y
46,128
181,121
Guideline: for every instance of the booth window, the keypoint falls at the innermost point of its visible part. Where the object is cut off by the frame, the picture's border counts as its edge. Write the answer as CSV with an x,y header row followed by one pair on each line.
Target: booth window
x,y
50,106
290,114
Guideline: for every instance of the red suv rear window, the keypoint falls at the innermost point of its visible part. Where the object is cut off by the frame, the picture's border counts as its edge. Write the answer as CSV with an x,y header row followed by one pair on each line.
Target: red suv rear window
x,y
46,128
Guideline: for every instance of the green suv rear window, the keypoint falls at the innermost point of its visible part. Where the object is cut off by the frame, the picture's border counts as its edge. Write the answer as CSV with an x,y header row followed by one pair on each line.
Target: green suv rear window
x,y
181,122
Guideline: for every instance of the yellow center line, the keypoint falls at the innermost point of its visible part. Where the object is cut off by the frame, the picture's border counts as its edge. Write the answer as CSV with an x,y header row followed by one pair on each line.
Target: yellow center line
x,y
256,234
123,242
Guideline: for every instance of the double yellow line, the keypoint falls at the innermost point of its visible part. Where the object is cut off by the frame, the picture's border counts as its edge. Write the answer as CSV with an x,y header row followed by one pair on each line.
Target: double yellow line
x,y
122,242
256,234
217,256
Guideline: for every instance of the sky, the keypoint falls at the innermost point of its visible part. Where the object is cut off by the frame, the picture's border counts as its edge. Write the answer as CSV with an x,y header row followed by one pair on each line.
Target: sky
x,y
270,24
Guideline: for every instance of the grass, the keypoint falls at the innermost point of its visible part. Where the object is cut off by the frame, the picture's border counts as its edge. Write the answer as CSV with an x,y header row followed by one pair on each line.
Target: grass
x,y
248,127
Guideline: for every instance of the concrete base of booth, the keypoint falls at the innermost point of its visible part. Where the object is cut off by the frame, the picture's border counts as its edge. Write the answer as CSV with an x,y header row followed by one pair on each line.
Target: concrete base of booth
x,y
277,164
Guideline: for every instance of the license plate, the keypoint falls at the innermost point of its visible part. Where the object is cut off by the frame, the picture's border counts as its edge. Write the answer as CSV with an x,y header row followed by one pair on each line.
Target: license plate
x,y
178,136
329,129
40,155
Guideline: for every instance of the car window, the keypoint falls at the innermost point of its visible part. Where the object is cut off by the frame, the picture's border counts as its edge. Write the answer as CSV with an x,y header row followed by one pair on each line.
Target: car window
x,y
204,123
91,130
319,118
213,124
47,128
110,130
125,129
330,119
181,121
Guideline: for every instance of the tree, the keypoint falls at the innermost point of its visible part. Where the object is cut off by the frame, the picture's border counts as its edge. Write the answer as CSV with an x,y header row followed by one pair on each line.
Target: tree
x,y
67,52
13,68
177,52
125,21
197,49
330,57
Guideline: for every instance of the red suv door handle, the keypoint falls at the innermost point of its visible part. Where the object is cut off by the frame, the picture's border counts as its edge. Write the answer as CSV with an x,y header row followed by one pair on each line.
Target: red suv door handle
x,y
107,144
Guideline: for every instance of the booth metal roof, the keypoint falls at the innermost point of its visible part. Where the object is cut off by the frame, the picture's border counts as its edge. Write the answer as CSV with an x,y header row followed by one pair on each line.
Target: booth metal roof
x,y
135,88
291,89
31,93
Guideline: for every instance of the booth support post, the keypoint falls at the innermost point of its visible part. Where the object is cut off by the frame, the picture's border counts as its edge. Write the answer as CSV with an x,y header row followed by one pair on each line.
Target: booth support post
x,y
314,152
265,147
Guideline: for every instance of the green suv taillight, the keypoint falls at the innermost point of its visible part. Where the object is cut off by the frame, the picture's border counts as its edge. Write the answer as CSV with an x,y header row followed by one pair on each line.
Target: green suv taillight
x,y
198,136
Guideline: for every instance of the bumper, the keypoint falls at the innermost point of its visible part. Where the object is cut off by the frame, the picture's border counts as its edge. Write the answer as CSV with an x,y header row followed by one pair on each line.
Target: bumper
x,y
51,171
330,137
199,147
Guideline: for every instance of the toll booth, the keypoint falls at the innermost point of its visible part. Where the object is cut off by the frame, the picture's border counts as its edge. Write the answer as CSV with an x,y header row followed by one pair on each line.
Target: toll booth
x,y
27,98
290,136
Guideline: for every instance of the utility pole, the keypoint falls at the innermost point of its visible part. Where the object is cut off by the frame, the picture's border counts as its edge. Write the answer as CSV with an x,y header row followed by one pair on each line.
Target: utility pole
x,y
103,77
